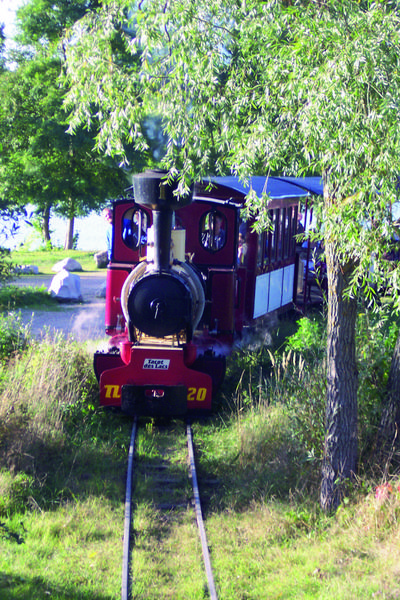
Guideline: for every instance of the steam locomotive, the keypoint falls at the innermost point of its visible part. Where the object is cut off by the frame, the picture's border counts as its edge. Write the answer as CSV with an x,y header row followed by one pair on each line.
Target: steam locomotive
x,y
186,276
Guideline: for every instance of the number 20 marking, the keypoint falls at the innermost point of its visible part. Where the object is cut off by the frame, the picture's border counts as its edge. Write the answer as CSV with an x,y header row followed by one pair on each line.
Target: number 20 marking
x,y
196,394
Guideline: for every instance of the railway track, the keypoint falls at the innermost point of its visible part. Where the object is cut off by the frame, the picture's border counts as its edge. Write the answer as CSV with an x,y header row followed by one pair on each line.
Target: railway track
x,y
166,482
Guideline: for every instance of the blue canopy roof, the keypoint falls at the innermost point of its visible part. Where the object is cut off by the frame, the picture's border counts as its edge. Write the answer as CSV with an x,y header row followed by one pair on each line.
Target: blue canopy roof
x,y
275,187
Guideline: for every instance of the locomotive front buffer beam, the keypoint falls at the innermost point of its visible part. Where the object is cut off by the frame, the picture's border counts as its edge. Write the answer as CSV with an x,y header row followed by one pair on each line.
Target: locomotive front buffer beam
x,y
155,382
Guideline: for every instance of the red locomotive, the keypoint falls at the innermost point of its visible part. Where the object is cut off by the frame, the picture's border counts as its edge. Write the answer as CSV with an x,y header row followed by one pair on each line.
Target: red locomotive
x,y
186,275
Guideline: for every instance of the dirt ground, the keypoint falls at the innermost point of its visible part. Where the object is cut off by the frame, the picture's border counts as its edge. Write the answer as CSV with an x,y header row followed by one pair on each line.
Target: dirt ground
x,y
83,321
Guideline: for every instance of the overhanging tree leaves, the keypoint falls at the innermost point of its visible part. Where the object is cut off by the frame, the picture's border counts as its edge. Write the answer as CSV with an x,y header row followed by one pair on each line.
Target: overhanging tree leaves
x,y
301,87
41,163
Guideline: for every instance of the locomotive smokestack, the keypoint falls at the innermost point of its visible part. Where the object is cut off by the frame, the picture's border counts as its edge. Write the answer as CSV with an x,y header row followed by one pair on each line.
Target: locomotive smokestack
x,y
152,189
162,223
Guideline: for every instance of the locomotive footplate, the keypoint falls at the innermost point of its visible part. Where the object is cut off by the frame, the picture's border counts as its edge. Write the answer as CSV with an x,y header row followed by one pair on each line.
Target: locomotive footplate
x,y
147,401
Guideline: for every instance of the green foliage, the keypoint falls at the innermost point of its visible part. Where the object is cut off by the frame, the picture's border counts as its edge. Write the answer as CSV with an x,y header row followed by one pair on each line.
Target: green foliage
x,y
300,385
6,267
40,162
286,386
309,337
59,15
233,81
13,297
14,336
33,126
294,377
256,88
376,339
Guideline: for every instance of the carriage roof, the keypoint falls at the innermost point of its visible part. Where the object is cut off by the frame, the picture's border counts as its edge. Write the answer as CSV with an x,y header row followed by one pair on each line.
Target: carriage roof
x,y
233,190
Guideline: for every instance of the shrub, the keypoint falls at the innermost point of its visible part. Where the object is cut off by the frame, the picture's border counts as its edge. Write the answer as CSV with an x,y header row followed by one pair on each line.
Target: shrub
x,y
300,385
14,336
15,492
376,339
309,339
6,266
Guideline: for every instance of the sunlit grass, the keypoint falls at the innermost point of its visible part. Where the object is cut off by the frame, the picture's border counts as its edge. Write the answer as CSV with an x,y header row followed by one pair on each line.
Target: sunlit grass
x,y
13,296
46,259
266,552
166,558
71,552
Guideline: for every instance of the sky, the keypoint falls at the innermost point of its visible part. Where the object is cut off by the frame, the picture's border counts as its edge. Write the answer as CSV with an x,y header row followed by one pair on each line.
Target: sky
x,y
7,13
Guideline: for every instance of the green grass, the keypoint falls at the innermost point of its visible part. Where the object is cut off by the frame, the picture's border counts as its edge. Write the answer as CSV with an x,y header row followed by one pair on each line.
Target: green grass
x,y
13,296
62,476
46,259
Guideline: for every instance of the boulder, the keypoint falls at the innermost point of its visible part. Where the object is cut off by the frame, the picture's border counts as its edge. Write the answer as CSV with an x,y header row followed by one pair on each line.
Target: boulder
x,y
101,259
27,269
69,264
66,287
101,291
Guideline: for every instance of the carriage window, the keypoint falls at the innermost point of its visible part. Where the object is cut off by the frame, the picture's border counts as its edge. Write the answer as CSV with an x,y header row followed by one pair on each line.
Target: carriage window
x,y
213,230
293,231
272,241
285,232
133,222
242,243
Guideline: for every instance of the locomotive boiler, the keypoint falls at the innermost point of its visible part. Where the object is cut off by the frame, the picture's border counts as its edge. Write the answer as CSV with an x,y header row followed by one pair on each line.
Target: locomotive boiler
x,y
186,275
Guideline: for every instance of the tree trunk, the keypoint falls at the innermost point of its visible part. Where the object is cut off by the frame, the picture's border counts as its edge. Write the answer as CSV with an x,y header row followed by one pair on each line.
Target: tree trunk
x,y
388,432
340,453
46,224
69,236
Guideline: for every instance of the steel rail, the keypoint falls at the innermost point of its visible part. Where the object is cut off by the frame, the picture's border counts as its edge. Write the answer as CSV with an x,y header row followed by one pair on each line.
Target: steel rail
x,y
128,517
199,517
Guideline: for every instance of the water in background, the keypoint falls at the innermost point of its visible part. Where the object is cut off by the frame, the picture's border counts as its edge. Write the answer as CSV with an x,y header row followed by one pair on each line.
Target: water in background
x,y
91,233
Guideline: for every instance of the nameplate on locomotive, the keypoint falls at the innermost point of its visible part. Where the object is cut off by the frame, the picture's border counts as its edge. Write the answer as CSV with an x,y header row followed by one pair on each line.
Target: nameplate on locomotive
x,y
161,364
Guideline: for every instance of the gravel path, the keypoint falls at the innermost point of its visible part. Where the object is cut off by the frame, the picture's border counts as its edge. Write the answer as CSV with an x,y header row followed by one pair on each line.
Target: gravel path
x,y
83,321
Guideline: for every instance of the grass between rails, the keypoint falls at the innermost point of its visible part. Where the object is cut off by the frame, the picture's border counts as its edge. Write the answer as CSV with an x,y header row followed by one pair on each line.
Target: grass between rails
x,y
62,476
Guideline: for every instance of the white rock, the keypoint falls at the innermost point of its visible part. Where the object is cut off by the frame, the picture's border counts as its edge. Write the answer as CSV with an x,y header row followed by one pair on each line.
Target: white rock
x,y
66,286
69,264
27,269
101,259
101,291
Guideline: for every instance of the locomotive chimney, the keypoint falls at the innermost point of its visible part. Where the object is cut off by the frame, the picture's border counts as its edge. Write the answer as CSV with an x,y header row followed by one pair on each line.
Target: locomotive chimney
x,y
153,190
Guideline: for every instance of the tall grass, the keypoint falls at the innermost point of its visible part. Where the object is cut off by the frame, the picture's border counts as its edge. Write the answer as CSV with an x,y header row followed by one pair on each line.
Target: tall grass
x,y
50,426
280,399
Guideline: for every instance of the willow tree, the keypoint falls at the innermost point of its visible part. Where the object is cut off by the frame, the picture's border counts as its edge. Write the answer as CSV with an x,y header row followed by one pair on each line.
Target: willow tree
x,y
250,87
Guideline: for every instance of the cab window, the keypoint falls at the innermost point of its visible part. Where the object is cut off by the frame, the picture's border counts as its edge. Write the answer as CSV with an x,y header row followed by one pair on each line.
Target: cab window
x,y
134,228
213,231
